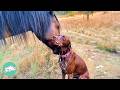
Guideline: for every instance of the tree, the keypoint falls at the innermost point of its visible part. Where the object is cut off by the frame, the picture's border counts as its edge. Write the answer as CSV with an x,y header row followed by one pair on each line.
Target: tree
x,y
88,14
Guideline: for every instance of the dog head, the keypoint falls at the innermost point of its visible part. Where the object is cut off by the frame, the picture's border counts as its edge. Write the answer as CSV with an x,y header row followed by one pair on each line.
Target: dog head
x,y
51,43
61,43
56,43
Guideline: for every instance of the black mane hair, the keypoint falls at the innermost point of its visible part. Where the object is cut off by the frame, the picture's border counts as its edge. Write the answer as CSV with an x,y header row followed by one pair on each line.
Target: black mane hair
x,y
17,22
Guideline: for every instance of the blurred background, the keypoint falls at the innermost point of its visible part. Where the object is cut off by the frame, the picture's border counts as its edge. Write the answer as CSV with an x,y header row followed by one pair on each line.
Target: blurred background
x,y
95,36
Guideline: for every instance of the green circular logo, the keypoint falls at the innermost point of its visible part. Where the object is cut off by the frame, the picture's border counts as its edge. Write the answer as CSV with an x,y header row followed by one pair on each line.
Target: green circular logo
x,y
9,69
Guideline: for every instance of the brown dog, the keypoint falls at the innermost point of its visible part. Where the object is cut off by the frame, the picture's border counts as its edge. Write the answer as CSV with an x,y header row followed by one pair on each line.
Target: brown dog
x,y
70,62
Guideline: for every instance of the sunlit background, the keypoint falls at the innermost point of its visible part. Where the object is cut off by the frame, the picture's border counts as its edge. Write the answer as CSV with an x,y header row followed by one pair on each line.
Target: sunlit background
x,y
95,36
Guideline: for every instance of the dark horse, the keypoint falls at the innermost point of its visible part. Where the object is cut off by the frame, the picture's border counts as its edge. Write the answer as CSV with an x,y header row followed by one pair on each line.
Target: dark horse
x,y
44,24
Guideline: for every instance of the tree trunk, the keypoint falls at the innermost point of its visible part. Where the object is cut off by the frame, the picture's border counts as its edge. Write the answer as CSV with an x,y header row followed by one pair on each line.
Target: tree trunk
x,y
88,16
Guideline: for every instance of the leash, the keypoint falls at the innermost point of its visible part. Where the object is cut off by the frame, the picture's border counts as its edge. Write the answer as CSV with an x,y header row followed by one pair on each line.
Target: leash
x,y
59,58
63,56
62,63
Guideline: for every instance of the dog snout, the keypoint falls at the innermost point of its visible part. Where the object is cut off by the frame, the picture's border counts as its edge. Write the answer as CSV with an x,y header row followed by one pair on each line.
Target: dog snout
x,y
55,51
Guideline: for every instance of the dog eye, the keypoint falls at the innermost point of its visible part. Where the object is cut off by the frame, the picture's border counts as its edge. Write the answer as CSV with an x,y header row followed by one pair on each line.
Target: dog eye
x,y
57,42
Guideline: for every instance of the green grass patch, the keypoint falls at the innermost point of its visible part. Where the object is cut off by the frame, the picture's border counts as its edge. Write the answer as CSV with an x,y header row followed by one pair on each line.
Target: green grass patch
x,y
34,69
16,58
107,49
71,13
1,56
8,52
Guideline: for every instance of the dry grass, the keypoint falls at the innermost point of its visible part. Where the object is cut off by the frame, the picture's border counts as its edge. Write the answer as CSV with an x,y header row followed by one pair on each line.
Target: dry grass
x,y
94,40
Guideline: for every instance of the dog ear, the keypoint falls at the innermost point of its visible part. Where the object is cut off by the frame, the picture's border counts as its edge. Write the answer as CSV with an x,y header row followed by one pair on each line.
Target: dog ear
x,y
64,38
67,42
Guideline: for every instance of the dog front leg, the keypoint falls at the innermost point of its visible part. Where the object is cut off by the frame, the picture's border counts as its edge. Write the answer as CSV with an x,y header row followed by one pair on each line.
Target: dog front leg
x,y
63,74
70,76
76,76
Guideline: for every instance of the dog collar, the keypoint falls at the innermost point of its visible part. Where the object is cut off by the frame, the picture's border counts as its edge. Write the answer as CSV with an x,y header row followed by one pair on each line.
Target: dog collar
x,y
66,55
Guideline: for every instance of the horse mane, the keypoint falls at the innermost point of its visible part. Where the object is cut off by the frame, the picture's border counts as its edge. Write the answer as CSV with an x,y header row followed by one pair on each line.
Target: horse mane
x,y
17,22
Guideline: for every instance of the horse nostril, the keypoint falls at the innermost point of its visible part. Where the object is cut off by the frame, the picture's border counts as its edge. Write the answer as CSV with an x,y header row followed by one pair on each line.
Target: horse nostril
x,y
53,36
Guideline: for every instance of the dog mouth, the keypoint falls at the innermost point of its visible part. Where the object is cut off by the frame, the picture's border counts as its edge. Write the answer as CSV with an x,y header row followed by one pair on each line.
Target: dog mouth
x,y
53,46
56,50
